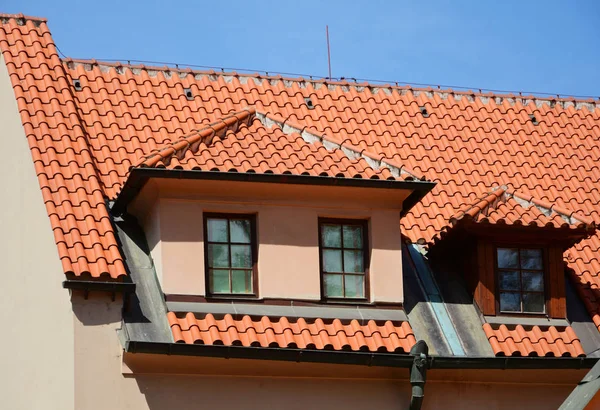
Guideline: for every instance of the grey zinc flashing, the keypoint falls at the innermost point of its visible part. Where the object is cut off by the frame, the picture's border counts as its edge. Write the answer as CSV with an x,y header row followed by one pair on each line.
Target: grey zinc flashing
x,y
420,314
581,322
238,310
434,298
461,314
144,313
526,321
464,315
585,390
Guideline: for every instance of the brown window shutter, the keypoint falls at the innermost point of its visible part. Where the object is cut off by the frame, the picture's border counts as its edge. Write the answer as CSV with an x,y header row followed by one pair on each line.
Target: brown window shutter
x,y
485,289
555,282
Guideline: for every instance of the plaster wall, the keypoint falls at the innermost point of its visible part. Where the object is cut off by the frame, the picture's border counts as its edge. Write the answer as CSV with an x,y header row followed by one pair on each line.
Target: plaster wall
x,y
288,243
36,350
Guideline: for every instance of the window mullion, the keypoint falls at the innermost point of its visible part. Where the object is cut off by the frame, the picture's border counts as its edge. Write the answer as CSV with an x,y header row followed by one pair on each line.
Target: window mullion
x,y
229,253
343,264
520,280
229,269
521,289
342,252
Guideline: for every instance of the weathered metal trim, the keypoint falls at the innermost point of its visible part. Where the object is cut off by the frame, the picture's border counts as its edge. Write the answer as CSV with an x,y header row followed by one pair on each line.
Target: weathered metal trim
x,y
238,310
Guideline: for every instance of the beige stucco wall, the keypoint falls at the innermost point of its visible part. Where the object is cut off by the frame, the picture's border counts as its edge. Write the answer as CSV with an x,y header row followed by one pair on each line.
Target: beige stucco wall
x,y
287,230
107,380
36,347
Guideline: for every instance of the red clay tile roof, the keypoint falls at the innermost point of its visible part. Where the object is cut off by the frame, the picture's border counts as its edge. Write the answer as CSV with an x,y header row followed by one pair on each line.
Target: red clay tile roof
x,y
64,163
83,148
501,206
535,341
84,141
240,142
292,334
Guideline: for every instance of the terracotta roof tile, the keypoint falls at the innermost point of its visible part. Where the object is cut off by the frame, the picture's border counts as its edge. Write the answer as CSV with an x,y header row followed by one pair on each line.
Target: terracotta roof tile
x,y
535,341
84,141
63,161
240,142
501,206
298,334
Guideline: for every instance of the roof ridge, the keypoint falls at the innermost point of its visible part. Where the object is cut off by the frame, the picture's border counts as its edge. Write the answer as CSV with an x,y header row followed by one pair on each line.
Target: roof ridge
x,y
4,17
547,208
194,139
491,198
317,82
310,135
483,202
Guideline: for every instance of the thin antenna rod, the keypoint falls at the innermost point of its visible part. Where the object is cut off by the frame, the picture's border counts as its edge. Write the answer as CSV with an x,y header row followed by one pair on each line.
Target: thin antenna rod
x,y
328,51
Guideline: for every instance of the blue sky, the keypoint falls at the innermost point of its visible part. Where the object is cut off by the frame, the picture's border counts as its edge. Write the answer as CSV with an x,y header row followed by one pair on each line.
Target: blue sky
x,y
536,46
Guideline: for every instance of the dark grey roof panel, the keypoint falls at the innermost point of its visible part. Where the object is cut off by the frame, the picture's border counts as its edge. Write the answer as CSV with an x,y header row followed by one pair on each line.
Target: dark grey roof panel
x,y
145,313
582,322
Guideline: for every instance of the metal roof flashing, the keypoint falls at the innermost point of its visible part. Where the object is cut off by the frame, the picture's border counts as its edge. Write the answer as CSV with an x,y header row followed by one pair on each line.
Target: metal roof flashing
x,y
138,177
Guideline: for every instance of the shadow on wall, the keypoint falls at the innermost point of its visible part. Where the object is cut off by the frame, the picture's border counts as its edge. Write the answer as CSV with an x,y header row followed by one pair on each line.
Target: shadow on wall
x,y
181,221
97,309
253,393
248,393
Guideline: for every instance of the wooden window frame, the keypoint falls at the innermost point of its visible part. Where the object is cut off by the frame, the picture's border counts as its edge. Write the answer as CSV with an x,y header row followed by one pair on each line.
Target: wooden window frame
x,y
254,251
545,275
364,223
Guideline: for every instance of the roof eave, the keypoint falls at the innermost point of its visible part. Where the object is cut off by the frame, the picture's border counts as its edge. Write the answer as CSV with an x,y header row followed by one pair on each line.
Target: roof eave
x,y
403,360
139,176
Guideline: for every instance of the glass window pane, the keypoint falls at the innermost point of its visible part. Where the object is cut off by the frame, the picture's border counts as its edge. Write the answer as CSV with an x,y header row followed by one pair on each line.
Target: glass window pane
x,y
531,259
241,281
332,260
533,281
218,256
333,286
239,230
509,280
353,261
510,302
219,280
508,258
352,236
217,230
354,285
331,236
533,302
241,256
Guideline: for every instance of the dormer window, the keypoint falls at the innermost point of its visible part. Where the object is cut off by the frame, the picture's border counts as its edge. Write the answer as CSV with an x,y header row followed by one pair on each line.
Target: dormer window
x,y
512,248
343,253
520,280
230,251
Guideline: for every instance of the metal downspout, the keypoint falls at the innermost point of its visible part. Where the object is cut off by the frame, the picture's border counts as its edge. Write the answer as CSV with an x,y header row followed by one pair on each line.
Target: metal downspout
x,y
418,373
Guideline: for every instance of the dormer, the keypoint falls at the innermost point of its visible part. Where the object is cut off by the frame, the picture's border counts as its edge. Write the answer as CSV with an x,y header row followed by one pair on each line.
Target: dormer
x,y
253,208
510,249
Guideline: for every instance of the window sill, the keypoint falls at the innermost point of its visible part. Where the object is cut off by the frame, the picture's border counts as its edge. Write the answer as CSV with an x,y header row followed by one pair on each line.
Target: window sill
x,y
353,302
530,320
226,298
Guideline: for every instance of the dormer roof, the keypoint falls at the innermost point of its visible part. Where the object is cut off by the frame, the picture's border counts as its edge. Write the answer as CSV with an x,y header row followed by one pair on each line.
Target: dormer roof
x,y
241,142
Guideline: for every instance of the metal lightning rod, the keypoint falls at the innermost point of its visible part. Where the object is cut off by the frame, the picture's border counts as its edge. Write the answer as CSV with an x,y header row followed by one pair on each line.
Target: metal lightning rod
x,y
328,50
